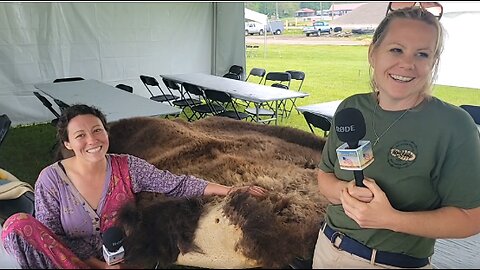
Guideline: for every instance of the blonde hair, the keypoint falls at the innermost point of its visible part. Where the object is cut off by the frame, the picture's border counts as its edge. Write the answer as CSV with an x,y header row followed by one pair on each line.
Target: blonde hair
x,y
414,13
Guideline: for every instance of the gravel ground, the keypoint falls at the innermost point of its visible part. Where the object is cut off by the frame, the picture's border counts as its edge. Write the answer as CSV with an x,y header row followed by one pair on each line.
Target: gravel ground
x,y
303,40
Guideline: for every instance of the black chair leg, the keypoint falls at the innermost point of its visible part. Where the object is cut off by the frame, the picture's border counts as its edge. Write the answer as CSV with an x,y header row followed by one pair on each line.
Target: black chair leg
x,y
184,113
289,111
194,114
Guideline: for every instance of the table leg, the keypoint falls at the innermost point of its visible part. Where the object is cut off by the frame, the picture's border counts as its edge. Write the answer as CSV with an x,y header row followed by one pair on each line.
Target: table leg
x,y
276,112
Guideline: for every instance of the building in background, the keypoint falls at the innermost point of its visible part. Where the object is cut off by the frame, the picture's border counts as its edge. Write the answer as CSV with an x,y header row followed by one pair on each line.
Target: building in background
x,y
305,12
364,18
342,9
331,13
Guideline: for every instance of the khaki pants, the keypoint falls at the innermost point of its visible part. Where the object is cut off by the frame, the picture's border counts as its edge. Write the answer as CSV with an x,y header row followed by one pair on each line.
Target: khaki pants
x,y
328,256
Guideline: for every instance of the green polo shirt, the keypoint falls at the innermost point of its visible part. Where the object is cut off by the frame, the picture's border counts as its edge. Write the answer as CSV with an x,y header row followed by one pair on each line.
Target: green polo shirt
x,y
430,158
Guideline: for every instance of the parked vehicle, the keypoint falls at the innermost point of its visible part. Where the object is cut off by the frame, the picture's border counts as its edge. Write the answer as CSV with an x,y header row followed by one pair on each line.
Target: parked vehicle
x,y
317,28
363,30
252,28
275,27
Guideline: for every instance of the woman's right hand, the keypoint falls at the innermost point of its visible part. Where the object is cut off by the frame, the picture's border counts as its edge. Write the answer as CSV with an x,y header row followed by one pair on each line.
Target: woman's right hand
x,y
253,190
362,194
331,187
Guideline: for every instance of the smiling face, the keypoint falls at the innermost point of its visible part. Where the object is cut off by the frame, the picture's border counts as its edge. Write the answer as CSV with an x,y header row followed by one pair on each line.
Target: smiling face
x,y
403,62
87,137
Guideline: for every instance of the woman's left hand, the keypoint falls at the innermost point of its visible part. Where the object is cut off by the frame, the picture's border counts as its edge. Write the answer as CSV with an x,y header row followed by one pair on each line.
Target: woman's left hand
x,y
253,190
376,214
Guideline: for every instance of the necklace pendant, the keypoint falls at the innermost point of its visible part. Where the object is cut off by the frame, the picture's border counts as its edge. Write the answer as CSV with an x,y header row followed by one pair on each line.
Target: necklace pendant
x,y
388,128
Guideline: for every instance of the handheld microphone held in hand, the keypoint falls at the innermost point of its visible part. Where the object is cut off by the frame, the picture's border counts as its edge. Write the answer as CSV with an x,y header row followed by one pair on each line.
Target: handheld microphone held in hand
x,y
354,154
113,251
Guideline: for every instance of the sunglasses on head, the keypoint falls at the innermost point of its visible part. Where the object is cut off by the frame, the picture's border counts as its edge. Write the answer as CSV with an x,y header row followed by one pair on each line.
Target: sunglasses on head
x,y
433,7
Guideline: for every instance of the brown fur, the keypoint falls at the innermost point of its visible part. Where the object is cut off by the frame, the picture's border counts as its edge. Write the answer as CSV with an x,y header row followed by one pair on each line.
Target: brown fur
x,y
155,219
277,228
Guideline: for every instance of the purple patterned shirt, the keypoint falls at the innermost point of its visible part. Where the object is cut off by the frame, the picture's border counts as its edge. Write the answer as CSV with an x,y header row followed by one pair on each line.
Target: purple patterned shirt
x,y
61,208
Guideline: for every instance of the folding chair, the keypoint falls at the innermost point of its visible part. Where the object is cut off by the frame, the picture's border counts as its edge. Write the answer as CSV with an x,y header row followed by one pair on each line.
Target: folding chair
x,y
474,112
62,105
49,106
234,72
318,121
183,102
4,126
266,109
201,110
224,100
236,69
279,80
257,72
296,76
147,80
68,79
232,76
125,87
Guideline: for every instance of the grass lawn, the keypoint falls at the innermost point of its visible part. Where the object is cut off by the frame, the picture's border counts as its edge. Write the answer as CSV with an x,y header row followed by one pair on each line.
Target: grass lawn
x,y
332,73
27,150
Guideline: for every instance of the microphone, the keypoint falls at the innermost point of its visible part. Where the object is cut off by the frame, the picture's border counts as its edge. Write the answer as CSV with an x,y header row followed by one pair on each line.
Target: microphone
x,y
354,154
113,251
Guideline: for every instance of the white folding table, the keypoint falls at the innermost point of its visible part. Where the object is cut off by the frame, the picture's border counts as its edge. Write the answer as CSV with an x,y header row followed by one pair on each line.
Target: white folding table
x,y
256,93
113,102
326,109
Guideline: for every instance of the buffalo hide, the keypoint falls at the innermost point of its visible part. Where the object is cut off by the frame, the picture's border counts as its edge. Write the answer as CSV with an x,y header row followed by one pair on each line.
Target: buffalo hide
x,y
275,229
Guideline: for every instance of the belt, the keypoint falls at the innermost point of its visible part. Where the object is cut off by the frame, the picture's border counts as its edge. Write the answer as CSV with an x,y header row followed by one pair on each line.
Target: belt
x,y
383,257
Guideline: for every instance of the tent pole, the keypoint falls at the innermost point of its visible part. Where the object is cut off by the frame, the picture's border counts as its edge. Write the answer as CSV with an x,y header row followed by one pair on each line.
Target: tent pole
x,y
213,70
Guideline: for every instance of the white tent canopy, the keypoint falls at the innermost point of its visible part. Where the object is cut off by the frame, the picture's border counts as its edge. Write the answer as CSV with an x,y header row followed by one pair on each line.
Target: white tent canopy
x,y
111,42
459,61
461,57
255,16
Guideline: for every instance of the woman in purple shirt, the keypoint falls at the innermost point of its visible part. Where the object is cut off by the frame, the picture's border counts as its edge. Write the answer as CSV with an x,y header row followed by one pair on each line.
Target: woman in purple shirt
x,y
78,198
